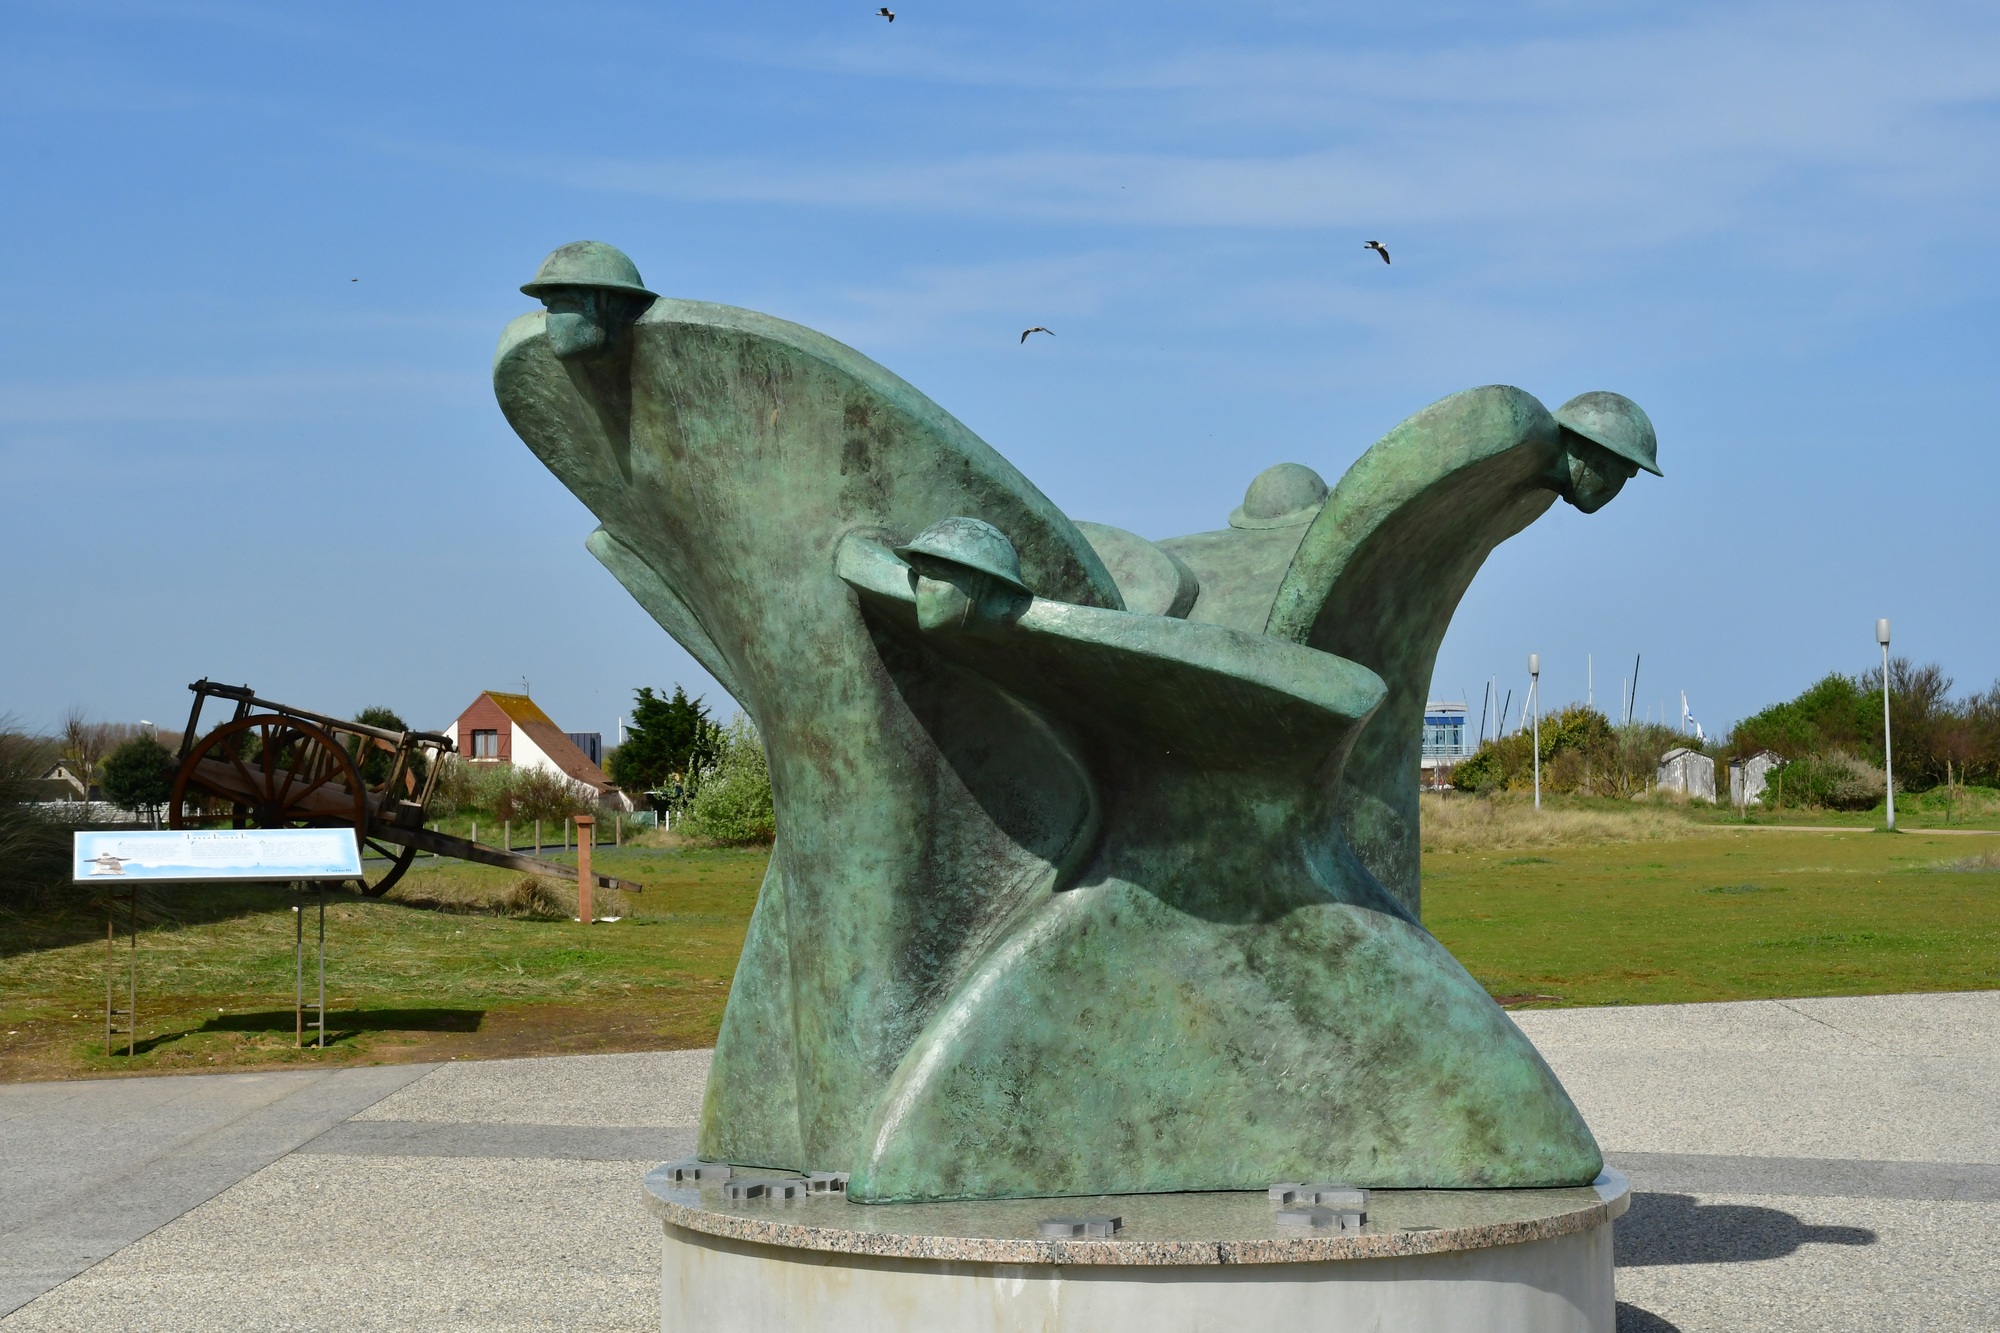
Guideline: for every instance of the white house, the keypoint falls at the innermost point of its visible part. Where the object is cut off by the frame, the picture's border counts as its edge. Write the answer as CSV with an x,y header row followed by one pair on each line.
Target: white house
x,y
502,728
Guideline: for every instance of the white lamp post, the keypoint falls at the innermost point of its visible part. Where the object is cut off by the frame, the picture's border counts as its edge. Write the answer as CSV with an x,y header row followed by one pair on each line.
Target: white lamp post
x,y
1535,704
1888,773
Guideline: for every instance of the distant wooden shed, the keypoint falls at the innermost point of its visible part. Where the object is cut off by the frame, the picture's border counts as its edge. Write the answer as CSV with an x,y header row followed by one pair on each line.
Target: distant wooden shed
x,y
1757,774
1689,772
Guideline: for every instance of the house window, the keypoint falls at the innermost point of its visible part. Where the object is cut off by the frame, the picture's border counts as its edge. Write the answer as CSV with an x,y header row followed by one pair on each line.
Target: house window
x,y
485,745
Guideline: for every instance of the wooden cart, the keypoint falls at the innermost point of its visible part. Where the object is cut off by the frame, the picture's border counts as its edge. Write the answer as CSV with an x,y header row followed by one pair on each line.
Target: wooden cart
x,y
274,766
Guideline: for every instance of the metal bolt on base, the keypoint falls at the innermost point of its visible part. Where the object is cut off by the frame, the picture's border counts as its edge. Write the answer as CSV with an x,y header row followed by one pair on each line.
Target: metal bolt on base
x,y
1322,1219
1333,1195
745,1189
1095,1226
694,1171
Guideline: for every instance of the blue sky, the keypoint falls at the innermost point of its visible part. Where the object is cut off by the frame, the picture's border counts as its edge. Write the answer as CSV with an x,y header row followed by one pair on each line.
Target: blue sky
x,y
1774,225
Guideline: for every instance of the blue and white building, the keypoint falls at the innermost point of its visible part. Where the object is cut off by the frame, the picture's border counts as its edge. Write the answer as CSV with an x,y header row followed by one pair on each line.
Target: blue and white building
x,y
1446,740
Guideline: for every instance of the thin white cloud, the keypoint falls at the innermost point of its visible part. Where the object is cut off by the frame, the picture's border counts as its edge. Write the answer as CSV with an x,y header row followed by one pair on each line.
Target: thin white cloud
x,y
217,398
1634,139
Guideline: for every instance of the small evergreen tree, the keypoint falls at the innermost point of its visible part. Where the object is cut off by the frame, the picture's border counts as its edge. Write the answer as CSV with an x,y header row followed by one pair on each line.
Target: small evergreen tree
x,y
667,738
139,775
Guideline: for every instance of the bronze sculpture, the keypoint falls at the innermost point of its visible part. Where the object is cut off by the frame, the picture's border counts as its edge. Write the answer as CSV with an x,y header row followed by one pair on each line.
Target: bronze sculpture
x,y
1097,861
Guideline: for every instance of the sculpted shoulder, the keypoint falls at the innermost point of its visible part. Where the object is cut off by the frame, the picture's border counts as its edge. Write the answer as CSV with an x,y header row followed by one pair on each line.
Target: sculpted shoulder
x,y
519,330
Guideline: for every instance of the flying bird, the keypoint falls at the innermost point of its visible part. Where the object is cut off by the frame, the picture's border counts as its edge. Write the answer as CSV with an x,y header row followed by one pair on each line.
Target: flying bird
x,y
886,13
354,279
1037,329
1379,249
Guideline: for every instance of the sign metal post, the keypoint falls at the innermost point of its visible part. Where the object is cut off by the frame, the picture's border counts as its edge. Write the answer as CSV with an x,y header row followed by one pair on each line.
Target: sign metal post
x,y
120,861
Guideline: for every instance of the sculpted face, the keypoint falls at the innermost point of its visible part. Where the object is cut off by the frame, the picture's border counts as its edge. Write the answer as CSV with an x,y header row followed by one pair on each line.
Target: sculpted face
x,y
951,597
583,320
943,604
1590,474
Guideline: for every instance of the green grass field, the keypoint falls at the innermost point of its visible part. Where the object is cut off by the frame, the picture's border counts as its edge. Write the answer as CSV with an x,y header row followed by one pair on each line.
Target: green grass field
x,y
1709,913
216,979
1728,916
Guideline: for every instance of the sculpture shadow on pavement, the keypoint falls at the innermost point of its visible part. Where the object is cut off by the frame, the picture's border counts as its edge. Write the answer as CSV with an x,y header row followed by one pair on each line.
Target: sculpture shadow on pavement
x,y
1664,1229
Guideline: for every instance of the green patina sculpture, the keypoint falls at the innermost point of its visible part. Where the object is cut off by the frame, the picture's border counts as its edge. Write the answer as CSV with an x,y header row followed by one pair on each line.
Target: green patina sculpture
x,y
1097,862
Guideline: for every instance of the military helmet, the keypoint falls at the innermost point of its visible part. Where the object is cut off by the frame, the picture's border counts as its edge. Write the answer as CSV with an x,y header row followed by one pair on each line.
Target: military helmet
x,y
1281,496
587,264
1615,422
973,544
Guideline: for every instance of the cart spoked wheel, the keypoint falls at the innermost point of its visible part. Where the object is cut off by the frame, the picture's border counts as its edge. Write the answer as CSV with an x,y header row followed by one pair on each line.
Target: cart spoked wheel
x,y
279,772
388,862
386,782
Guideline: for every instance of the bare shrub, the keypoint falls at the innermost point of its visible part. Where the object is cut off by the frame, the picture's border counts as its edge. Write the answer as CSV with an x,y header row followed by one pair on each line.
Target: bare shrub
x,y
456,789
1581,753
1835,780
509,793
34,846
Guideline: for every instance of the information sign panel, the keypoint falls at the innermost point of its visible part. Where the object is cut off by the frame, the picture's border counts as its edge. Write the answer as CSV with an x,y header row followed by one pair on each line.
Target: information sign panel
x,y
214,854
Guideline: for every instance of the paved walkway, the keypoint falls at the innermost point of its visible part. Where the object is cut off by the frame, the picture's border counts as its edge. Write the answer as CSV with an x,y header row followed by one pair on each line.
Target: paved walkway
x,y
1821,1165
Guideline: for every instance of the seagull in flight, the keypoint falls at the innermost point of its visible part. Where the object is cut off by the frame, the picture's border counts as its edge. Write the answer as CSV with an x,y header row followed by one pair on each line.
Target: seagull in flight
x,y
1379,249
886,13
1037,329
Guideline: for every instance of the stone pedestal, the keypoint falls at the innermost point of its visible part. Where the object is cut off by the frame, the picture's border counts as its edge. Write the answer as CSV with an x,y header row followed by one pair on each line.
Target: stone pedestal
x,y
1501,1261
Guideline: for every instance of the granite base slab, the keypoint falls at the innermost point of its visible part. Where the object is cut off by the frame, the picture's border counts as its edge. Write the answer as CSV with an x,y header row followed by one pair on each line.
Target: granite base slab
x,y
1484,1261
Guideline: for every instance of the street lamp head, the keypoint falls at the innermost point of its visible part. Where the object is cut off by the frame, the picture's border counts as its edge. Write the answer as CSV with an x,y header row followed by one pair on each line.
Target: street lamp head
x,y
1882,631
1535,663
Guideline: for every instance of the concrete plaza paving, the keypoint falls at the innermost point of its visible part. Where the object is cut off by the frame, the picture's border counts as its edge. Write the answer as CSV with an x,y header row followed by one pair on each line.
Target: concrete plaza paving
x,y
1820,1165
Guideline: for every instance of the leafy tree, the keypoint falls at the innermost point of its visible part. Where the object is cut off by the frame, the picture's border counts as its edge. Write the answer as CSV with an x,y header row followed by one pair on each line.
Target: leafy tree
x,y
375,760
667,738
1838,720
735,803
139,775
1831,714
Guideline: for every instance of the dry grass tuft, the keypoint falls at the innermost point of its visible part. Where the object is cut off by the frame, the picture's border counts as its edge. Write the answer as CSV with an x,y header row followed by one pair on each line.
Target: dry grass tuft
x,y
1481,824
531,897
1984,861
540,899
659,839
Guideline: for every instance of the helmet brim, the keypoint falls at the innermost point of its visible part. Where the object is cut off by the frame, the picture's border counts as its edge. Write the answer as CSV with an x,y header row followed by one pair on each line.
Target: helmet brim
x,y
1238,518
996,575
536,289
1638,461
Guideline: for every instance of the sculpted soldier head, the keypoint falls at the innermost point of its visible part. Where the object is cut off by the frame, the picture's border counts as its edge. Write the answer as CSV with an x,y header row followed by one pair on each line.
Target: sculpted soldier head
x,y
967,573
1606,439
593,293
